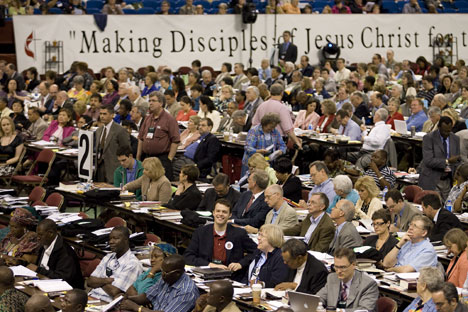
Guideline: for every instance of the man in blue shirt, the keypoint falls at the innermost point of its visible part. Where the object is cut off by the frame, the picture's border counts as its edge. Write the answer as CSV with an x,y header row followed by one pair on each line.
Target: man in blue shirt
x,y
174,292
414,251
418,116
319,175
347,126
125,107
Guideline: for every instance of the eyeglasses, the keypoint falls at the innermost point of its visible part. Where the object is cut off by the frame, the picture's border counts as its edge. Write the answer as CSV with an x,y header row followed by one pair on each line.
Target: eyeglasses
x,y
374,224
168,273
412,225
342,267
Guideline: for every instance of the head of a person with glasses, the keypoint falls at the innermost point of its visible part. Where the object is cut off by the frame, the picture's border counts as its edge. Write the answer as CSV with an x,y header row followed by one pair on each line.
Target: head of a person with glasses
x,y
383,242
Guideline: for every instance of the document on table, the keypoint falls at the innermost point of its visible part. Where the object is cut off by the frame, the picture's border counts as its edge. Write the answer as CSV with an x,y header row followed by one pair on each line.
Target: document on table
x,y
51,285
20,270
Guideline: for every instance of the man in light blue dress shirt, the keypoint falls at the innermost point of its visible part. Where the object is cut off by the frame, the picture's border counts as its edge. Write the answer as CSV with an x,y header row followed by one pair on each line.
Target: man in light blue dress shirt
x,y
414,251
347,126
418,116
319,175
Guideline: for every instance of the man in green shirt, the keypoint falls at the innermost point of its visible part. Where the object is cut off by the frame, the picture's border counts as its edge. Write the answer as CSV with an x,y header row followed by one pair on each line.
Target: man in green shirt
x,y
130,169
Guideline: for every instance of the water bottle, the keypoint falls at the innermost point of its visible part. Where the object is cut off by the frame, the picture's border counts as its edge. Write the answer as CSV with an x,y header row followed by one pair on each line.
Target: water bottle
x,y
320,307
384,192
448,206
310,127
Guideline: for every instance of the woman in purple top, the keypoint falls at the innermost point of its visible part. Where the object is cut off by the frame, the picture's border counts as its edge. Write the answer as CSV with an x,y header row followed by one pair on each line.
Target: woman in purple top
x,y
112,93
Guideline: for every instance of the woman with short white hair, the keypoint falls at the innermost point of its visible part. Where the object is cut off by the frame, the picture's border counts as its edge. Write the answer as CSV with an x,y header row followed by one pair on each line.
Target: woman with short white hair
x,y
343,187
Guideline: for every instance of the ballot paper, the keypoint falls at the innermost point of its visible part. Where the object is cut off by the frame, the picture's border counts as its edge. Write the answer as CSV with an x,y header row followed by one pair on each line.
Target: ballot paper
x,y
20,270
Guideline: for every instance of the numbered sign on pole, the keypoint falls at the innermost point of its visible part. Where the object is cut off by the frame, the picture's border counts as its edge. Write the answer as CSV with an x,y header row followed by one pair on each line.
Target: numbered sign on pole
x,y
85,154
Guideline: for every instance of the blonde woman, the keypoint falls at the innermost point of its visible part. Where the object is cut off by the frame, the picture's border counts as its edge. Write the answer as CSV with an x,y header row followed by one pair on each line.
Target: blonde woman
x,y
191,134
368,203
268,267
258,162
456,242
457,123
153,183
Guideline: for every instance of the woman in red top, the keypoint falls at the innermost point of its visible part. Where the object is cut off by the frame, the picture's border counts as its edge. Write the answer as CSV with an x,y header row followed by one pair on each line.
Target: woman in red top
x,y
393,114
455,240
328,108
184,114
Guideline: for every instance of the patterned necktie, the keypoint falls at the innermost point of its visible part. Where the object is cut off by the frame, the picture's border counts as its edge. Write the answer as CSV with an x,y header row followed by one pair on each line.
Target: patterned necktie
x,y
343,295
249,204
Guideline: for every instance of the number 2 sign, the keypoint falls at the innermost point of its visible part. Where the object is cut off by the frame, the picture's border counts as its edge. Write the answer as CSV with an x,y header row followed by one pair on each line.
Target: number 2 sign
x,y
85,154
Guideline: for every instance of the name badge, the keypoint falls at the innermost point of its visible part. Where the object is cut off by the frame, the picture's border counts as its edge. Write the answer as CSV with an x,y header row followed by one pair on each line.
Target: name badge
x,y
150,133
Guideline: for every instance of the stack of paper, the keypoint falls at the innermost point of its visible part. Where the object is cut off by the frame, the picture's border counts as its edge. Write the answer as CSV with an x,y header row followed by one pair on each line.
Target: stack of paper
x,y
20,270
51,285
104,231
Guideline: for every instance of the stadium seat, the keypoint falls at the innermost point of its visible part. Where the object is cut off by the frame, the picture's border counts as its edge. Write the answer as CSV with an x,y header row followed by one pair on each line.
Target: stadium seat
x,y
94,4
129,11
146,11
151,4
93,11
37,11
55,11
463,10
55,199
115,221
37,194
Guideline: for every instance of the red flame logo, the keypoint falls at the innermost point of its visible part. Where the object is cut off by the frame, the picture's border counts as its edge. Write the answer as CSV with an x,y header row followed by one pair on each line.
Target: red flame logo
x,y
27,50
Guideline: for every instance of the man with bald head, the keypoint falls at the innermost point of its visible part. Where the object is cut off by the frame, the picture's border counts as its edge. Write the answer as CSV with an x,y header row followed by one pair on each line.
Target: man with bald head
x,y
220,297
175,291
39,303
59,103
74,300
56,258
281,213
11,299
440,101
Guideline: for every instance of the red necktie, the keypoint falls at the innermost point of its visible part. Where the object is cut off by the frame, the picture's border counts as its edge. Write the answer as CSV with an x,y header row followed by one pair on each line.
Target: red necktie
x,y
249,204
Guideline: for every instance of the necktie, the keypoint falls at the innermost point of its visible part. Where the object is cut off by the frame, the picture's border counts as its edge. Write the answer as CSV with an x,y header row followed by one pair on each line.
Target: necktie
x,y
249,204
445,148
344,295
342,131
103,142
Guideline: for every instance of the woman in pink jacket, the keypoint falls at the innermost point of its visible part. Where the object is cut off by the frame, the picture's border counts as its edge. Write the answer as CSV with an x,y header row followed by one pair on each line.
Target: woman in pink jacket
x,y
61,128
307,116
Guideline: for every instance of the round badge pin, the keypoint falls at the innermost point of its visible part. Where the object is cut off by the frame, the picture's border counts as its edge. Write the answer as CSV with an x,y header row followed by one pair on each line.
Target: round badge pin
x,y
228,245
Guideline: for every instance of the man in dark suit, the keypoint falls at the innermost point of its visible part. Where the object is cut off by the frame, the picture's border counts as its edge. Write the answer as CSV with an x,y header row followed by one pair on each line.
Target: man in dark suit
x,y
251,208
317,228
10,70
287,50
441,156
221,189
241,122
56,258
443,219
221,245
109,138
208,148
306,69
306,274
291,184
348,288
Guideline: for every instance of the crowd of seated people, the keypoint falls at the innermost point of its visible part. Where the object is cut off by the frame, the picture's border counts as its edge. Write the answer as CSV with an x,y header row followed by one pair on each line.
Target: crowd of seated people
x,y
346,185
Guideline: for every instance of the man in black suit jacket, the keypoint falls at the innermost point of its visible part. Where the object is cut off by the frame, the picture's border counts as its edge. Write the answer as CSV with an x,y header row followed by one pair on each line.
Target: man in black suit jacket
x,y
306,69
56,258
208,148
287,50
306,274
251,208
221,245
444,220
13,74
221,190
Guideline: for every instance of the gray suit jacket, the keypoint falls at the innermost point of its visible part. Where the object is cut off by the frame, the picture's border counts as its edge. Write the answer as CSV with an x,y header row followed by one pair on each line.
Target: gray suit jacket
x,y
38,128
286,220
363,293
433,163
409,211
116,138
348,237
463,135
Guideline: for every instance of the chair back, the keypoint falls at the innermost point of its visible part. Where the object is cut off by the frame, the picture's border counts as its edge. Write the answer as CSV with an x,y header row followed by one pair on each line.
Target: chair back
x,y
411,191
55,199
37,194
150,237
386,304
115,221
418,198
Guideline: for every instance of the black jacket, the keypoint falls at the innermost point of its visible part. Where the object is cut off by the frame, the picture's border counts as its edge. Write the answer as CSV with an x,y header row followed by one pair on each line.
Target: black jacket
x,y
273,271
200,250
362,111
307,71
210,198
207,154
63,263
445,221
290,55
314,276
189,199
292,188
257,212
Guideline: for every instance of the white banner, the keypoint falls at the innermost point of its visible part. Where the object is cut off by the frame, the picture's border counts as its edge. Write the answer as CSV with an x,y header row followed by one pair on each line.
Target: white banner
x,y
140,40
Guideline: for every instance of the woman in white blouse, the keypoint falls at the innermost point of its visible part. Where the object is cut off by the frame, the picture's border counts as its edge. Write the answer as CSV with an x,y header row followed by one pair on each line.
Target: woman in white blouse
x,y
208,110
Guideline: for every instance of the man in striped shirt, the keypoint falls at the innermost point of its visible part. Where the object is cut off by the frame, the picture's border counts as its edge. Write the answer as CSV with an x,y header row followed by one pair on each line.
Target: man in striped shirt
x,y
379,171
174,292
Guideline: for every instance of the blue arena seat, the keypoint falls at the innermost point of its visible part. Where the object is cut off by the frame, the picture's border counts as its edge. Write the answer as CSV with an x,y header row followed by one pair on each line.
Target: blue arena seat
x,y
151,4
37,11
146,11
55,11
93,4
463,10
129,11
93,11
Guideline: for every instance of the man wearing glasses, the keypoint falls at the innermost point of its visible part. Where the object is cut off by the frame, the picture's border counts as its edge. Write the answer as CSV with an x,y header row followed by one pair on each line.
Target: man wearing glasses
x,y
348,288
413,251
174,292
118,270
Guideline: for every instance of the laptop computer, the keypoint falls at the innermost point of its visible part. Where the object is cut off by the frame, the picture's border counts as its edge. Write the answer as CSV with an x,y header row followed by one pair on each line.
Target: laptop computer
x,y
400,127
212,273
302,302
